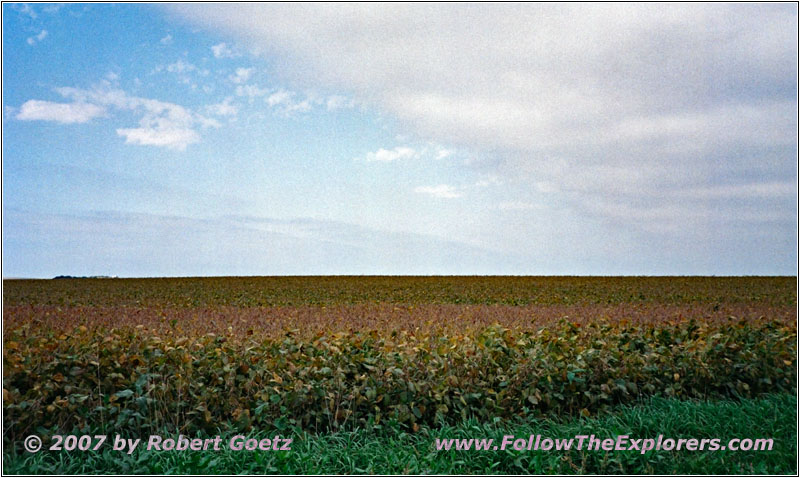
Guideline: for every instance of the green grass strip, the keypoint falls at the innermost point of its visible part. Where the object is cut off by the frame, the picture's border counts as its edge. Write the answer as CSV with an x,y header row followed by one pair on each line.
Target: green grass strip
x,y
389,450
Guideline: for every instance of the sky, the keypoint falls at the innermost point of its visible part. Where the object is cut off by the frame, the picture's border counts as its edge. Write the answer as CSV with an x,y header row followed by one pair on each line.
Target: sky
x,y
273,139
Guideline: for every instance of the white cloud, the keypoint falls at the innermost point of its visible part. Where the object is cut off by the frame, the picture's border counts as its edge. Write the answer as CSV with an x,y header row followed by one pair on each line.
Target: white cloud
x,y
284,101
490,180
52,8
169,137
181,66
774,189
161,123
206,122
443,153
224,108
516,206
439,191
186,72
222,50
37,38
545,187
336,102
406,152
65,113
300,106
388,155
241,76
632,103
251,91
25,9
279,97
167,40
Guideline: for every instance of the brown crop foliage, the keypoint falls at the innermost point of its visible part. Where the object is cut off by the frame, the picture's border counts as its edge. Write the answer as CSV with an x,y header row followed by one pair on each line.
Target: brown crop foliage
x,y
332,290
322,353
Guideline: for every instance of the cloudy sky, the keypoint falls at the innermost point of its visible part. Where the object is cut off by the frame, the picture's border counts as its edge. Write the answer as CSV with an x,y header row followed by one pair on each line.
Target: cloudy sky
x,y
168,140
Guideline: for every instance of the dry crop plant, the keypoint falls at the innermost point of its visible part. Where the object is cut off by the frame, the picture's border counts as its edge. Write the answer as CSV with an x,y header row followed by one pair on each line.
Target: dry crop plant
x,y
198,356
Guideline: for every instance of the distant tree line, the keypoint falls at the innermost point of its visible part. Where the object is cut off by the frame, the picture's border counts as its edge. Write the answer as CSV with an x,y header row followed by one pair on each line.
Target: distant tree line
x,y
85,277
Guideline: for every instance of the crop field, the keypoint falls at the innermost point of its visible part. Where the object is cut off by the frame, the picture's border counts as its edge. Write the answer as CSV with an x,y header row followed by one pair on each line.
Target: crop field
x,y
343,359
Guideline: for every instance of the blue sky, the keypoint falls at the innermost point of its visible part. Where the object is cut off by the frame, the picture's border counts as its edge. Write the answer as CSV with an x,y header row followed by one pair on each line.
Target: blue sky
x,y
259,139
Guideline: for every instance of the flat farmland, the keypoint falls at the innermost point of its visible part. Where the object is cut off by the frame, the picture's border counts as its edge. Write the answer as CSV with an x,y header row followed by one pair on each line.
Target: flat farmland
x,y
325,355
317,305
337,290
